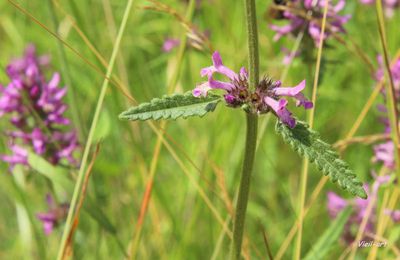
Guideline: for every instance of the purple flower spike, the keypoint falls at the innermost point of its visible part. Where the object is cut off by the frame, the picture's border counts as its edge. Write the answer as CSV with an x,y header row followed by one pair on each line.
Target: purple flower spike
x,y
53,216
335,204
315,8
35,108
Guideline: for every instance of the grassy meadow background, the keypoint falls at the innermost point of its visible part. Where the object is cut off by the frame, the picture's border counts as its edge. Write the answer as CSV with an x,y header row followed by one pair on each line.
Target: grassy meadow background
x,y
203,153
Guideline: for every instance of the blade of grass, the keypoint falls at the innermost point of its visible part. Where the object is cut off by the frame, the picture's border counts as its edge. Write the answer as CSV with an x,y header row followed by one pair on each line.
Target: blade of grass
x,y
379,230
383,220
21,199
71,95
153,165
369,103
368,139
92,65
295,226
390,89
117,81
266,244
82,197
368,211
92,131
304,174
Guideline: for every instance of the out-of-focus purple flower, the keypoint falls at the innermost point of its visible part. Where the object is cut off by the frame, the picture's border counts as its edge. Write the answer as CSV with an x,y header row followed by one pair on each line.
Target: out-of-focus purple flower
x,y
289,56
385,153
195,39
170,44
53,216
388,5
335,204
35,108
296,12
394,70
394,214
19,156
267,96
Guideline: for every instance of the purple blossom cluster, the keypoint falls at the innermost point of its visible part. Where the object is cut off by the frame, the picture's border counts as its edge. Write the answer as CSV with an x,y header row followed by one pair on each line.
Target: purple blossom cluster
x,y
267,96
307,15
383,153
35,108
336,204
388,5
54,215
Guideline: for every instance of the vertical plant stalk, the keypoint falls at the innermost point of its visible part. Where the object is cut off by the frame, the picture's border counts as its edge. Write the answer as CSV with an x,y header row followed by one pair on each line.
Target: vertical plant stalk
x,y
71,96
251,134
93,126
304,174
391,96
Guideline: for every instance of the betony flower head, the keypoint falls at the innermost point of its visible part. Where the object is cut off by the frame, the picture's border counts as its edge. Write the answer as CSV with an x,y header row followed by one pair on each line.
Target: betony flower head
x,y
54,215
307,15
267,97
35,108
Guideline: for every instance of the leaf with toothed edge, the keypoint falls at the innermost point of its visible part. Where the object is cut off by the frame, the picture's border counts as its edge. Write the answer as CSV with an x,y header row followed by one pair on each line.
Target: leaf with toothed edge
x,y
307,142
172,107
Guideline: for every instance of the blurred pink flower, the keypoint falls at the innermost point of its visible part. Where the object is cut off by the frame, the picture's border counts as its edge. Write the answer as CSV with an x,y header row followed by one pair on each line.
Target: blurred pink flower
x,y
170,44
53,216
35,108
315,7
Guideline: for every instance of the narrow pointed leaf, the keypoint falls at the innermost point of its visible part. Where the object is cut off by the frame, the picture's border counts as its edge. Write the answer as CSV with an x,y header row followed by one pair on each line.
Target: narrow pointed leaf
x,y
172,107
330,237
307,143
58,176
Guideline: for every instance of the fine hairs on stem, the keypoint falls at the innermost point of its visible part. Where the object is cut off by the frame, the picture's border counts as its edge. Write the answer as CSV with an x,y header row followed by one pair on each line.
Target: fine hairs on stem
x,y
251,135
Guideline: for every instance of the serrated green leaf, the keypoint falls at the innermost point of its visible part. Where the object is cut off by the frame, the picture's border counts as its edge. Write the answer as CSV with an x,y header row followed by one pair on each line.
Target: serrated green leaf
x,y
172,107
56,174
307,143
331,235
